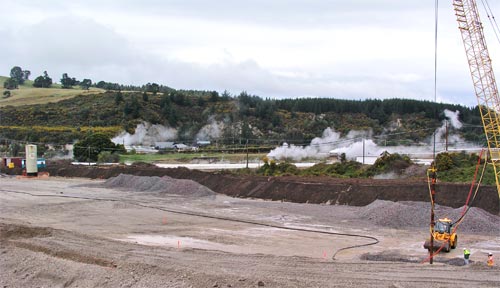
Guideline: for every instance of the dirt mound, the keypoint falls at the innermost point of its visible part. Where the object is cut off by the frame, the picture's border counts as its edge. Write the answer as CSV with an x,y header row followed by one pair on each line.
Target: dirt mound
x,y
76,256
11,231
408,214
314,190
158,185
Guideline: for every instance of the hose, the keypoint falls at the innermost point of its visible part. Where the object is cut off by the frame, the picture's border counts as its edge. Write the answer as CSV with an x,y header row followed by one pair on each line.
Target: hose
x,y
467,204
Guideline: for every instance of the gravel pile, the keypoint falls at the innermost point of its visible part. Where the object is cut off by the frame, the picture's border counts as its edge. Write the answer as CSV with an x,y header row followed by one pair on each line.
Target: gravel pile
x,y
158,185
408,214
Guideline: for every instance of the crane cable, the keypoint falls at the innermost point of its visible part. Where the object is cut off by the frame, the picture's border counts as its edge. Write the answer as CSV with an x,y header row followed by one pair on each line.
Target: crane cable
x,y
466,206
491,18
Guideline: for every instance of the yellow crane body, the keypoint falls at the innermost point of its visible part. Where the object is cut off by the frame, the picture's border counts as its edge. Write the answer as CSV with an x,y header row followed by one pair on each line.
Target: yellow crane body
x,y
483,77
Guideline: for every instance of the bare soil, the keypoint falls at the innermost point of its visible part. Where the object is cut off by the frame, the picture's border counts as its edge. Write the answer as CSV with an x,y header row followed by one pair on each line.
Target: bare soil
x,y
121,232
317,190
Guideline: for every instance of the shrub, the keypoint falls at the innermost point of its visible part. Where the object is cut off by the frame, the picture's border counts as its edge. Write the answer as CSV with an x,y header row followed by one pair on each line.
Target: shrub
x,y
108,157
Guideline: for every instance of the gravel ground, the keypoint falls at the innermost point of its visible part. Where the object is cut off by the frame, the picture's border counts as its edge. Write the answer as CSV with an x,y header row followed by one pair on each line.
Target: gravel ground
x,y
58,241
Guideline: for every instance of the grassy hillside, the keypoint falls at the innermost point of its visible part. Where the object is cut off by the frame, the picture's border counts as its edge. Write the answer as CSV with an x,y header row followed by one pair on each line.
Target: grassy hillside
x,y
28,95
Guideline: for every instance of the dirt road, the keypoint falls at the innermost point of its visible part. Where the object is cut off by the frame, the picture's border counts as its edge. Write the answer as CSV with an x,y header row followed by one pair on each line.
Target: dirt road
x,y
74,233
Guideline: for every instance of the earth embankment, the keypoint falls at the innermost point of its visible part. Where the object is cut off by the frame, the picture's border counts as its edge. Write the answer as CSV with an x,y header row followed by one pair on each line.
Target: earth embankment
x,y
317,190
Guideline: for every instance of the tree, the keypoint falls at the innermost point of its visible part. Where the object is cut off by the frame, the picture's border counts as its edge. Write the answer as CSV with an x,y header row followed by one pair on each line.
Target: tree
x,y
108,157
132,108
16,73
67,82
225,96
89,148
10,84
201,101
15,148
118,98
153,88
43,81
214,96
246,131
86,83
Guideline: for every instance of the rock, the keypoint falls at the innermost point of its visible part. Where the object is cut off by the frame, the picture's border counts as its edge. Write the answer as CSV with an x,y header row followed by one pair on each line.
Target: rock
x,y
260,284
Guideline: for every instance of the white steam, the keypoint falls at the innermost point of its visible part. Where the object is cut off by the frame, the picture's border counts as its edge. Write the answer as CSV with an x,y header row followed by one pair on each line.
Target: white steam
x,y
453,117
319,147
146,134
358,144
445,128
213,130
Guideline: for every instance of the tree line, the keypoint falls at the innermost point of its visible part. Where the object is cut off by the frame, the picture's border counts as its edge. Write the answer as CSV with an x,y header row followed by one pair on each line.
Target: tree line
x,y
244,116
18,76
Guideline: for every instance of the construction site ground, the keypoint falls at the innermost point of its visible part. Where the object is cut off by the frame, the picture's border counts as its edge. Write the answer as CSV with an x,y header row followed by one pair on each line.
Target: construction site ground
x,y
77,232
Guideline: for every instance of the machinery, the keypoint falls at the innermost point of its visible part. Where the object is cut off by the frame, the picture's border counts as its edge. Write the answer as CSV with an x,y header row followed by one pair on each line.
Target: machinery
x,y
443,236
485,87
483,78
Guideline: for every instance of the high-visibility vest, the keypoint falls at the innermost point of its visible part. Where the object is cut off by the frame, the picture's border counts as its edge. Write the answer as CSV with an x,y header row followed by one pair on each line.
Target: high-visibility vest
x,y
490,260
466,254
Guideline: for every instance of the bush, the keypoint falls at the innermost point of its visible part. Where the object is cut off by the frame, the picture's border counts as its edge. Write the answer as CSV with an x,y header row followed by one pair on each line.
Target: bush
x,y
108,157
92,145
389,163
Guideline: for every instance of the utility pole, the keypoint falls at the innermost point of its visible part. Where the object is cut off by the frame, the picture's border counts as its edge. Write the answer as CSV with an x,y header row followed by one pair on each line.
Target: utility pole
x,y
246,146
363,151
433,177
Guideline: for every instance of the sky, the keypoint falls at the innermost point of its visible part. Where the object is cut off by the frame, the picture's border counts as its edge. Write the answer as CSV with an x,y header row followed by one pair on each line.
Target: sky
x,y
356,49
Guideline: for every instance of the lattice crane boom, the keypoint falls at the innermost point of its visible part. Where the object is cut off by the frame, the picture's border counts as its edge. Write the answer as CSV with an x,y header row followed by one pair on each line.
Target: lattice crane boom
x,y
483,77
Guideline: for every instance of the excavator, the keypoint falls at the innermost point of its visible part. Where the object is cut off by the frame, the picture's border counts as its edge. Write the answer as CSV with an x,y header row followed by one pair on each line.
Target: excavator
x,y
443,234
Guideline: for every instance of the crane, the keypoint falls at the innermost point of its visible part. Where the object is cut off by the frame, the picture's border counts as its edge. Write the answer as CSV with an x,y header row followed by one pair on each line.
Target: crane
x,y
483,78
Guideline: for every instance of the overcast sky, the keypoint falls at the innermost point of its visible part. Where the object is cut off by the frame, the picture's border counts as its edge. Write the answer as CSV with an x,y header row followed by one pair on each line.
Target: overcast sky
x,y
354,49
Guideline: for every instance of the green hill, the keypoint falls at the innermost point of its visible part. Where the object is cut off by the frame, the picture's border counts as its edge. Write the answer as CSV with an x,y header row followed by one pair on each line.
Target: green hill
x,y
232,119
29,95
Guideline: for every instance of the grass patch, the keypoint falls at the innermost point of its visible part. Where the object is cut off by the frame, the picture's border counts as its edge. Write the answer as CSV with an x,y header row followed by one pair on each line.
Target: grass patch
x,y
28,95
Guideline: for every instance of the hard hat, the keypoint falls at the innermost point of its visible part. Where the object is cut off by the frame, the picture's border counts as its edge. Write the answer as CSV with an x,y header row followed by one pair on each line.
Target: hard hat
x,y
491,254
465,248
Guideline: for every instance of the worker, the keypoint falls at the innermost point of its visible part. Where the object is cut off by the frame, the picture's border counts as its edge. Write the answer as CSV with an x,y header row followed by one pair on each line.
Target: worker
x,y
490,259
466,256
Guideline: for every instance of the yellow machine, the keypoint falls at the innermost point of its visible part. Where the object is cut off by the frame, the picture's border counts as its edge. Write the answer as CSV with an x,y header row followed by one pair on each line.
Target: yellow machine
x,y
443,236
483,78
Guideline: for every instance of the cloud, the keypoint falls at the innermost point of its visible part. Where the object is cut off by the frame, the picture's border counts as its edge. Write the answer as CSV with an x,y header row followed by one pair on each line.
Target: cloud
x,y
295,48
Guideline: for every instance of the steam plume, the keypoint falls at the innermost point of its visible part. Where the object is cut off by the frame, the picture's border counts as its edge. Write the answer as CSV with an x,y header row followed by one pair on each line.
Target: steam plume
x,y
358,143
213,130
146,134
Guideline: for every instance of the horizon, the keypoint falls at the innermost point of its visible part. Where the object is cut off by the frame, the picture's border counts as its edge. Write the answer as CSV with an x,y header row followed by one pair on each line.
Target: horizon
x,y
298,49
